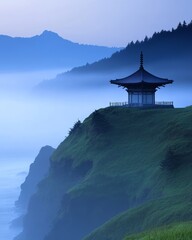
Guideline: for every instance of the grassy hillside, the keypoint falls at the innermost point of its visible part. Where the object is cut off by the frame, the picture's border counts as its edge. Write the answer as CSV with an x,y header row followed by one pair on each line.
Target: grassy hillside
x,y
148,216
128,168
173,232
167,178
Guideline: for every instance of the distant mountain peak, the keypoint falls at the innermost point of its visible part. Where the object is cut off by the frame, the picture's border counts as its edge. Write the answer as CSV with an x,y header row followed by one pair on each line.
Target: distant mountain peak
x,y
47,33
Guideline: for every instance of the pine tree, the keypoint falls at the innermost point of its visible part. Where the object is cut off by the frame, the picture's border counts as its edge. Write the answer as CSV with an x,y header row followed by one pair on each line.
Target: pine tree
x,y
75,127
179,26
184,24
146,39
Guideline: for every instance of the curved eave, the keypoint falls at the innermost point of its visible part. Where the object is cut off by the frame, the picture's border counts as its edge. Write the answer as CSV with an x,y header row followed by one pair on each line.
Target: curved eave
x,y
154,84
141,76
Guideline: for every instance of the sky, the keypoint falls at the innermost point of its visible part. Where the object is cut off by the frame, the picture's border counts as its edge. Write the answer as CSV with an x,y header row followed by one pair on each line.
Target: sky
x,y
99,22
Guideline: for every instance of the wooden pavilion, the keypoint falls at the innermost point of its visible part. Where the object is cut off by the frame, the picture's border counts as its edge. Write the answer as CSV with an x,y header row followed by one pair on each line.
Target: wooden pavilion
x,y
141,87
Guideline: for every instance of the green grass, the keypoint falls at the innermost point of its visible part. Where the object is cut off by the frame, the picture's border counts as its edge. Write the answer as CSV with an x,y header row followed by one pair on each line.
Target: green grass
x,y
128,157
182,231
148,216
126,171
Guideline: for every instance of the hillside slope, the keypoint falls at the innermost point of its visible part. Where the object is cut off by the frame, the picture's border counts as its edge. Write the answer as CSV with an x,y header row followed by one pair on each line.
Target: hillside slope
x,y
172,232
118,160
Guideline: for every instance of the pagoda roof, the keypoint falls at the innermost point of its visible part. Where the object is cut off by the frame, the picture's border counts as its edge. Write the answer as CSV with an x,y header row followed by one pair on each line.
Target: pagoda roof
x,y
141,76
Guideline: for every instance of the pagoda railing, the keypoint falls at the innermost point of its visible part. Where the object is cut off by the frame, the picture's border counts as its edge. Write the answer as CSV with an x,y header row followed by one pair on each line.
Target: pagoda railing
x,y
118,104
164,103
126,104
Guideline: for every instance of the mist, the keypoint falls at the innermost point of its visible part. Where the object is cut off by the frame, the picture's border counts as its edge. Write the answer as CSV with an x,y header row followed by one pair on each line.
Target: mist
x,y
26,122
29,121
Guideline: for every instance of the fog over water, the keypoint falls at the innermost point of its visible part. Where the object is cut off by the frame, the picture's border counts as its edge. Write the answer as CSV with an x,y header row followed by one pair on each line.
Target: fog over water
x,y
30,121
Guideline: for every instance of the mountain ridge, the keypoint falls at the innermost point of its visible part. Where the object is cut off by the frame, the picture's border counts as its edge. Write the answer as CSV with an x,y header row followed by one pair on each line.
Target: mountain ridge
x,y
165,53
47,51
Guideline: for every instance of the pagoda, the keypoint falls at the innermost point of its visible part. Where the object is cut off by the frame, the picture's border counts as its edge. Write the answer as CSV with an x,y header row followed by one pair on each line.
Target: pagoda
x,y
141,87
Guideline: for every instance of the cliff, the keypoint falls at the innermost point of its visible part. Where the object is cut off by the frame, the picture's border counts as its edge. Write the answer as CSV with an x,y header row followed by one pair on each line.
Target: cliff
x,y
119,172
37,171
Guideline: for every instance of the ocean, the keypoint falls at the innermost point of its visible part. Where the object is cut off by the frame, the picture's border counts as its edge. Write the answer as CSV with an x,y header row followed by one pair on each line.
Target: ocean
x,y
12,174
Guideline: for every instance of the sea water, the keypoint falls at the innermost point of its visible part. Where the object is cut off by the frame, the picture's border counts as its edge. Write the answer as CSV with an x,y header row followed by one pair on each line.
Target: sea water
x,y
12,174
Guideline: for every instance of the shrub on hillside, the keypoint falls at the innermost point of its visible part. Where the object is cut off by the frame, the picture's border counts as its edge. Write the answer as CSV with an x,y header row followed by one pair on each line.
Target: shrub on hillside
x,y
75,127
172,160
99,123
